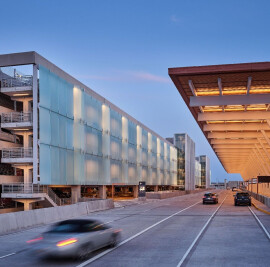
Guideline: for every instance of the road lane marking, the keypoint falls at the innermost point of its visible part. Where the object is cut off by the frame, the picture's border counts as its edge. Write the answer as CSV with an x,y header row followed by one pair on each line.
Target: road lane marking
x,y
262,226
198,236
2,257
132,237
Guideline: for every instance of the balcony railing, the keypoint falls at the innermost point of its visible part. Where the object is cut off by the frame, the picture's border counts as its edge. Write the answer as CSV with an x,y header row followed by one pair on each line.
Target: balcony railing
x,y
15,117
30,188
23,188
22,81
18,152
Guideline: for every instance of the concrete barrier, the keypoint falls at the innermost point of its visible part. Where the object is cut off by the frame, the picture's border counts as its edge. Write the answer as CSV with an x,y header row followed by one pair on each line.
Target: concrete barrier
x,y
169,194
10,222
264,199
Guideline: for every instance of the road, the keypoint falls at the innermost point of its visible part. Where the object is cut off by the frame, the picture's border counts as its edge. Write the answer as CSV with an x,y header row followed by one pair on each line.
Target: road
x,y
172,232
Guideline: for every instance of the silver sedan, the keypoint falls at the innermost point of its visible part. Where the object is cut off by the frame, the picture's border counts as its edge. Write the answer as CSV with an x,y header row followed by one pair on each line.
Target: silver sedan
x,y
75,238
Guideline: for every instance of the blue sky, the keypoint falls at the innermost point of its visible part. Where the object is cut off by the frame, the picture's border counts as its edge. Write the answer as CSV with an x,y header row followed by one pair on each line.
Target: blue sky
x,y
123,49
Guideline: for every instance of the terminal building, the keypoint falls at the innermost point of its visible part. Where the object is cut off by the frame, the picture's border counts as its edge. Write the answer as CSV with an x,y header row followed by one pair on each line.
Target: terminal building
x,y
60,140
192,172
231,104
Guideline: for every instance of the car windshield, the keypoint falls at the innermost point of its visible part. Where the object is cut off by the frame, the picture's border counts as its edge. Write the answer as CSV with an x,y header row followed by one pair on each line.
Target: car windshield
x,y
243,195
208,195
77,227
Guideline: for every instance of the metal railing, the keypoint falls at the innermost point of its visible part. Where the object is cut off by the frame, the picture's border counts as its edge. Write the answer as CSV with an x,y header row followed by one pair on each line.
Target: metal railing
x,y
23,188
30,188
16,117
17,82
53,196
17,152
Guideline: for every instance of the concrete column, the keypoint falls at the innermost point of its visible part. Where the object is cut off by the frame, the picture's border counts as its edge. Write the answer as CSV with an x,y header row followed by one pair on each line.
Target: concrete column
x,y
139,153
124,150
35,124
155,188
106,146
26,139
75,193
135,191
27,170
102,191
112,191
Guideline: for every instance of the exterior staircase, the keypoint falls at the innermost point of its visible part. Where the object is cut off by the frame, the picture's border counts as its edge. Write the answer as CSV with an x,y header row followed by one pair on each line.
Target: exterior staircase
x,y
20,191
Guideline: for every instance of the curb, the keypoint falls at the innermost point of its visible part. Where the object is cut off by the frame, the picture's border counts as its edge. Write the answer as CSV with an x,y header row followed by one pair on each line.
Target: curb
x,y
266,212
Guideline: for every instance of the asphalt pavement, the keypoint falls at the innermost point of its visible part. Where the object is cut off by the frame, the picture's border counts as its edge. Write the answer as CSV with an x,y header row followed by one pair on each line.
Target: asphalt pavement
x,y
179,231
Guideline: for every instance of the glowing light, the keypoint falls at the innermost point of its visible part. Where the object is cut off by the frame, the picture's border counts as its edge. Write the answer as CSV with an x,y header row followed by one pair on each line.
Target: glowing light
x,y
34,240
66,242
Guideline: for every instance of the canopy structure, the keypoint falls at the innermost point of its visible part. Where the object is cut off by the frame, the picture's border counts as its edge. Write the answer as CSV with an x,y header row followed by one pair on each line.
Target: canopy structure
x,y
231,104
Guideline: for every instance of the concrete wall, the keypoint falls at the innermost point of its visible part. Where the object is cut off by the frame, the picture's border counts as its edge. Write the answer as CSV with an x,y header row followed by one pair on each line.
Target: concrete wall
x,y
16,221
3,211
169,194
10,179
264,199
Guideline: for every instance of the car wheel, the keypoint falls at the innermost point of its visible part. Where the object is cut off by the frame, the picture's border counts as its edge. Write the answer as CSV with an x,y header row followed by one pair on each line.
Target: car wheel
x,y
203,203
84,252
115,240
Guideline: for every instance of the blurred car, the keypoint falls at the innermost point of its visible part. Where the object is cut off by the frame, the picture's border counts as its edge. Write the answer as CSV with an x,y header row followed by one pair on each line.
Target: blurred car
x,y
210,198
242,198
75,238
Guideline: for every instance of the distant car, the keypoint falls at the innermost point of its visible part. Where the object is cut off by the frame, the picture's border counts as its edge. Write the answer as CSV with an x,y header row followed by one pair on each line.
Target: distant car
x,y
210,198
242,198
75,238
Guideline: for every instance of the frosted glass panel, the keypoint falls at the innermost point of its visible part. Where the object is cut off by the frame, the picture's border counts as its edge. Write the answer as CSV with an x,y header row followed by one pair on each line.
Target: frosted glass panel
x,y
116,148
116,124
132,153
115,171
132,133
55,165
93,112
45,166
44,126
93,141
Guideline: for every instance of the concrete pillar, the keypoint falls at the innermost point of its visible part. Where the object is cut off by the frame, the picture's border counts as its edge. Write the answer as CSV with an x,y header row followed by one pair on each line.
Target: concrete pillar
x,y
106,145
155,188
26,139
135,191
112,191
102,192
27,177
27,203
124,150
75,193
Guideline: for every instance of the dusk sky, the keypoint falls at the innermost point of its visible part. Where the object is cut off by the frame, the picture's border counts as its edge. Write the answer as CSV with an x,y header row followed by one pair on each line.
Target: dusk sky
x,y
123,49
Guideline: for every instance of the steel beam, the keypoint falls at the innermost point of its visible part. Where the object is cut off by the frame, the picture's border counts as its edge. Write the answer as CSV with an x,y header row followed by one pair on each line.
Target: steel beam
x,y
234,115
239,135
196,101
235,127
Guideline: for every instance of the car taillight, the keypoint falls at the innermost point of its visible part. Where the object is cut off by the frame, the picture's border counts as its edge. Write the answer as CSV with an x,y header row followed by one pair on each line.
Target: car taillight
x,y
35,240
213,197
66,242
204,197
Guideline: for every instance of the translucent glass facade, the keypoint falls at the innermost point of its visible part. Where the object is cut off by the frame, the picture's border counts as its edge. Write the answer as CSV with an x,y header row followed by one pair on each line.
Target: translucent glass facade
x,y
84,141
186,161
205,171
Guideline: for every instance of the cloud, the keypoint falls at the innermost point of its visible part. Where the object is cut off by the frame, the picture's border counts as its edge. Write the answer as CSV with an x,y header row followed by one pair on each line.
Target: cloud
x,y
145,76
174,18
127,76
